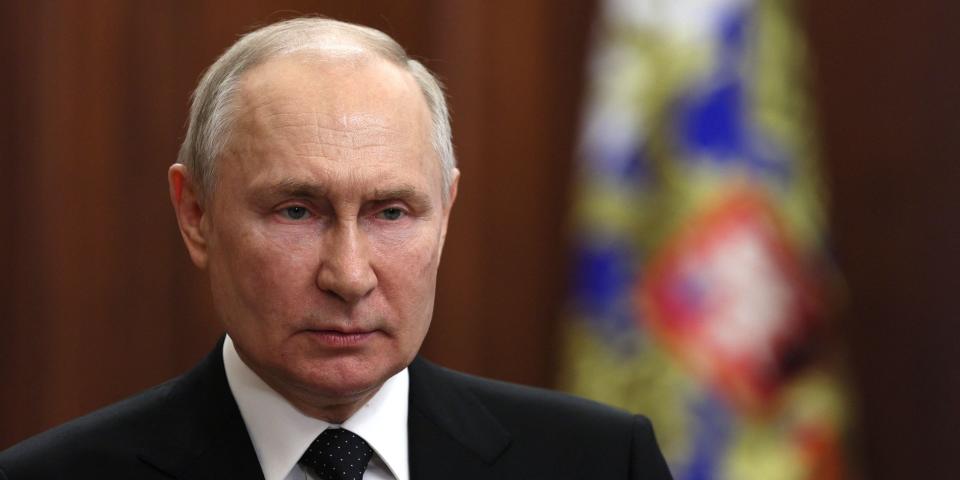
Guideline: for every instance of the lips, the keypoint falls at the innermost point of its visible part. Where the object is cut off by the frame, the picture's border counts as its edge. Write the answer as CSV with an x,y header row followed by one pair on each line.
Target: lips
x,y
340,338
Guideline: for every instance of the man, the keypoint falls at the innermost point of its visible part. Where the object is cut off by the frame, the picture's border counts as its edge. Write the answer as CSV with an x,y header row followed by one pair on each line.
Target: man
x,y
314,187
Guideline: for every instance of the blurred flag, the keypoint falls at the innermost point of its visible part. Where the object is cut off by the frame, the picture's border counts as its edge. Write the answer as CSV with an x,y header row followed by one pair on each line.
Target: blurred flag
x,y
701,287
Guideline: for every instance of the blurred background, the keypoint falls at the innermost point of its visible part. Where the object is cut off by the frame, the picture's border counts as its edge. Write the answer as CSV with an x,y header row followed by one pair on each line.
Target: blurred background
x,y
737,217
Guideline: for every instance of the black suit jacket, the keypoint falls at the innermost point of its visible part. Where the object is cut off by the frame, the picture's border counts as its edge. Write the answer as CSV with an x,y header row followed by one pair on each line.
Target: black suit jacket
x,y
460,427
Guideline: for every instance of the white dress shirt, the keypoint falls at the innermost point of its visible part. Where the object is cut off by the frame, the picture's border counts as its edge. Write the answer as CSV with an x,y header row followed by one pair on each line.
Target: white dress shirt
x,y
280,433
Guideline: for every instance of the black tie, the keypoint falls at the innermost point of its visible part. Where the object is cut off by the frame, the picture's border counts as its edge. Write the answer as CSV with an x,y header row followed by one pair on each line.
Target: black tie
x,y
337,454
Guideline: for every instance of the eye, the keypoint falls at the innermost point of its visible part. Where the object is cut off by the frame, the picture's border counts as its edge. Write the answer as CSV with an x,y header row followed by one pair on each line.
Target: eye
x,y
294,212
392,213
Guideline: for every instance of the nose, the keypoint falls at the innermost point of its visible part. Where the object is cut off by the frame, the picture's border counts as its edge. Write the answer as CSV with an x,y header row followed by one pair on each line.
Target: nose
x,y
345,268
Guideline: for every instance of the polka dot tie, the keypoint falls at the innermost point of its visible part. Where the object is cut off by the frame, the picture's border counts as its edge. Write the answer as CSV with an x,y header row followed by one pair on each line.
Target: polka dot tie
x,y
337,454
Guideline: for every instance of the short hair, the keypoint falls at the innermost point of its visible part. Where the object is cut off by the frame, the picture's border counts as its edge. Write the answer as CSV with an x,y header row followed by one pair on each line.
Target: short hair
x,y
212,106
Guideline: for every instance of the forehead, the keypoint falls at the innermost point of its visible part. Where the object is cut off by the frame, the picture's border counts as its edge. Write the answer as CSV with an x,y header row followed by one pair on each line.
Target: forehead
x,y
356,87
318,112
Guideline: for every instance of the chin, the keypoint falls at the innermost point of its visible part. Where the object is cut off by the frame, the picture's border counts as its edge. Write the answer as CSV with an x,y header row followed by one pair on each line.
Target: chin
x,y
346,378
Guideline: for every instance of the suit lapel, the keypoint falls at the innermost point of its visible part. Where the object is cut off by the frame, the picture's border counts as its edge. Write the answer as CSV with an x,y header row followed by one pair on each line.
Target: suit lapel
x,y
451,433
202,434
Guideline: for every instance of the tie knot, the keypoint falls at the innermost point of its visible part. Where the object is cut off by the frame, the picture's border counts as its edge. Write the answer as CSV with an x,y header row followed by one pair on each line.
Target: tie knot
x,y
337,454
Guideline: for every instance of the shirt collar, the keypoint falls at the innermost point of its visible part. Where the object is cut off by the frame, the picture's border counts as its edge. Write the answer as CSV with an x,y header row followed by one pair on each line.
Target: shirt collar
x,y
280,433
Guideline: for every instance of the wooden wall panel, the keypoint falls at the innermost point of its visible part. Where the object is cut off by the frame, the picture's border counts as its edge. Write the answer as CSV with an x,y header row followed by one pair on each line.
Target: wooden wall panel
x,y
889,95
514,100
457,326
20,333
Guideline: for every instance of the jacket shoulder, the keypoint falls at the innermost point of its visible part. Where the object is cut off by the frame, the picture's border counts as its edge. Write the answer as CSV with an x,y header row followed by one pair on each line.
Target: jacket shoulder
x,y
562,435
110,435
512,400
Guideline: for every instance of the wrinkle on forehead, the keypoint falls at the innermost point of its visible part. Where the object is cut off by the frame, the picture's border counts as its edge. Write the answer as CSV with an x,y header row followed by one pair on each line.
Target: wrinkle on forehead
x,y
317,134
344,130
291,88
368,115
353,133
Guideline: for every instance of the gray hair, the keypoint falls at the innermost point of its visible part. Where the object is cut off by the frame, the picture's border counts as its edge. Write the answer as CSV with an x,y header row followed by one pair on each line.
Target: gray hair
x,y
213,101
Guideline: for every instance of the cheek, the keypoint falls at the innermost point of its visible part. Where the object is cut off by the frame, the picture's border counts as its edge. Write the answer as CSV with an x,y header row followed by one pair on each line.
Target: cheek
x,y
416,243
407,274
267,269
409,253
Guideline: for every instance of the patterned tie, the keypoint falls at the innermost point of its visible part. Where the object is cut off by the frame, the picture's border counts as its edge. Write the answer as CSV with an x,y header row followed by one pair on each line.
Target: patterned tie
x,y
337,454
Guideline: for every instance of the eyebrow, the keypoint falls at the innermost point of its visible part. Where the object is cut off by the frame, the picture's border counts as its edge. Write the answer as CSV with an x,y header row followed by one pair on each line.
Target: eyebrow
x,y
300,189
289,188
403,192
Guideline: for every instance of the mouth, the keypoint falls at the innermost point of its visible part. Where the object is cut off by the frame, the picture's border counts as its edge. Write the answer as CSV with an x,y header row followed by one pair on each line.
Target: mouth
x,y
340,338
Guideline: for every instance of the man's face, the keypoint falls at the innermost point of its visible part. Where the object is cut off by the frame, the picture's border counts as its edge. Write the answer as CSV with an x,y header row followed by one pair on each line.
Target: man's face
x,y
323,235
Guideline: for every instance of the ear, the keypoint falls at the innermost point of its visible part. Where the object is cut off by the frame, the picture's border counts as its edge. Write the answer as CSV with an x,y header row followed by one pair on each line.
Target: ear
x,y
190,213
448,206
